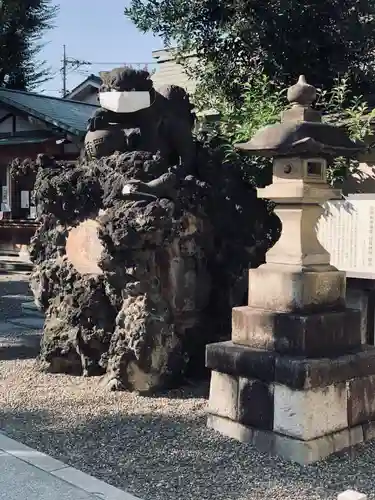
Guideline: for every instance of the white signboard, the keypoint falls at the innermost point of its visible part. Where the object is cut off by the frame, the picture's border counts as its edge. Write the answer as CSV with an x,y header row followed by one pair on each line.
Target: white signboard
x,y
25,199
347,232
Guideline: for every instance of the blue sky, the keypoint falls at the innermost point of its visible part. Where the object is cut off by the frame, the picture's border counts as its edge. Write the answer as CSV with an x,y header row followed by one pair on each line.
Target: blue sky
x,y
93,31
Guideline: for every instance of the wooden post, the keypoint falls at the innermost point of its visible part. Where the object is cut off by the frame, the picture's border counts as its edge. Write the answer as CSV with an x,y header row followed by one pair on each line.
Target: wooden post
x,y
11,194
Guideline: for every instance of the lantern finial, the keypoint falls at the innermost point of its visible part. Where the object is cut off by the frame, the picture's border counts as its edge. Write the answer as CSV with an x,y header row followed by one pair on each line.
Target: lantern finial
x,y
301,94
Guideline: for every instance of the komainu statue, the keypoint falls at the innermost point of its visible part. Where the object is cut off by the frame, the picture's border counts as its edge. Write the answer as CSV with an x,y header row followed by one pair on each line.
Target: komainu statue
x,y
144,243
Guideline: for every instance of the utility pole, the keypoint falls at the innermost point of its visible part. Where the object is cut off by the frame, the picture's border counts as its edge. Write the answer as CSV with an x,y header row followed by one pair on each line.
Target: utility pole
x,y
64,72
69,62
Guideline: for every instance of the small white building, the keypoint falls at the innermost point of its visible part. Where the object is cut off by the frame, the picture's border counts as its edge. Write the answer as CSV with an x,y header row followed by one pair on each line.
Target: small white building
x,y
87,91
169,71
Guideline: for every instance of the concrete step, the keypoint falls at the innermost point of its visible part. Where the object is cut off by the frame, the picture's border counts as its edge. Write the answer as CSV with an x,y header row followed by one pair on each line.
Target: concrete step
x,y
9,263
30,309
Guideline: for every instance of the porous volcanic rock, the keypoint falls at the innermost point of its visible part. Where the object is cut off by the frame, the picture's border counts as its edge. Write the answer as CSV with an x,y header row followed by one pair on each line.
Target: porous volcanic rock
x,y
140,256
164,275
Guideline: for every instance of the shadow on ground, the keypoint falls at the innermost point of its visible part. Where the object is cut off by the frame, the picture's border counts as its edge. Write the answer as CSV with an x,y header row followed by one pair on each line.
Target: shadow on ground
x,y
22,349
194,388
16,341
154,456
13,293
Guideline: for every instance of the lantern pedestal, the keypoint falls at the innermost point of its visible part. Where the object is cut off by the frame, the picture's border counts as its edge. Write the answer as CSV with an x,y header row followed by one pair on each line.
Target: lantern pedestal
x,y
295,380
301,409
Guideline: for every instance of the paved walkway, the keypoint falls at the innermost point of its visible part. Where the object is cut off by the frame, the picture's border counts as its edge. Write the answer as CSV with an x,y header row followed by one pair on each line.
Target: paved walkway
x,y
20,333
27,474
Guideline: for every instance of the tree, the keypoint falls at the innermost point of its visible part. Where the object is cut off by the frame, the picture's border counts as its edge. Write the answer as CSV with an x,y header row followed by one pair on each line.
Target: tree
x,y
235,39
22,25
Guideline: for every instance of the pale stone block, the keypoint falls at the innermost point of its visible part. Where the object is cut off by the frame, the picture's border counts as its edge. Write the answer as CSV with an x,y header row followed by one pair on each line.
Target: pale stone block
x,y
303,452
308,452
298,191
361,403
286,288
294,450
304,247
310,414
231,429
223,400
345,439
351,495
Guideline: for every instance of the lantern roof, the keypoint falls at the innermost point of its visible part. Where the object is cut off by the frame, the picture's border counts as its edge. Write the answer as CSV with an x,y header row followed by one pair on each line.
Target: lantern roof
x,y
301,131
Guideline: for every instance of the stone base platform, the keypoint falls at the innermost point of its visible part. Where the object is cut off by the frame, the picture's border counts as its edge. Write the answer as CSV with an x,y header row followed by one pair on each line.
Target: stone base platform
x,y
303,409
293,450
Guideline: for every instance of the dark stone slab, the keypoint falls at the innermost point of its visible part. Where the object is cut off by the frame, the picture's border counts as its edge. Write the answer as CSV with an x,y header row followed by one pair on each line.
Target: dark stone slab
x,y
255,404
361,400
295,372
312,335
304,373
237,360
362,281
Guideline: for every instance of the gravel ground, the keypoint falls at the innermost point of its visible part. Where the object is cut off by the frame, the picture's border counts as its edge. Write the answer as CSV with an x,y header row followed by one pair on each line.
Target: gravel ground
x,y
159,447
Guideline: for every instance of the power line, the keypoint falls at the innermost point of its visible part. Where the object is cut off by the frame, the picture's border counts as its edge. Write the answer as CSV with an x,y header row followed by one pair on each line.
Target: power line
x,y
120,62
73,64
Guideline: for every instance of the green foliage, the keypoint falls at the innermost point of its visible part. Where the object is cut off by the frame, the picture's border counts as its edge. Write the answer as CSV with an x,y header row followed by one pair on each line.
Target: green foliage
x,y
261,104
352,113
22,25
235,39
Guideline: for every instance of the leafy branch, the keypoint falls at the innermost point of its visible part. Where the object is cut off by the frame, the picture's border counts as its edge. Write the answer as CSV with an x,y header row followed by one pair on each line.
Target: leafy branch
x,y
262,101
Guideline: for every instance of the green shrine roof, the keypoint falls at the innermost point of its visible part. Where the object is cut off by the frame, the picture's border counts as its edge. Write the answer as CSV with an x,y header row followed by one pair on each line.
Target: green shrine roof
x,y
63,114
9,140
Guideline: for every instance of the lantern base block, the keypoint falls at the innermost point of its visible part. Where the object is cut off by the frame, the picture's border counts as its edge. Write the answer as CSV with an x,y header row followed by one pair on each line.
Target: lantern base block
x,y
293,450
283,288
302,409
310,334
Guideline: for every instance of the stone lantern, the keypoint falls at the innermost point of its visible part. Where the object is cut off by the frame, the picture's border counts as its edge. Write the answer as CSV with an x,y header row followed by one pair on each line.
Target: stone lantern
x,y
295,380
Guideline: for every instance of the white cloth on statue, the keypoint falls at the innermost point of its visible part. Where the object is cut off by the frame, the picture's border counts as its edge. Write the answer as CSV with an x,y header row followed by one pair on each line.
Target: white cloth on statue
x,y
124,102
